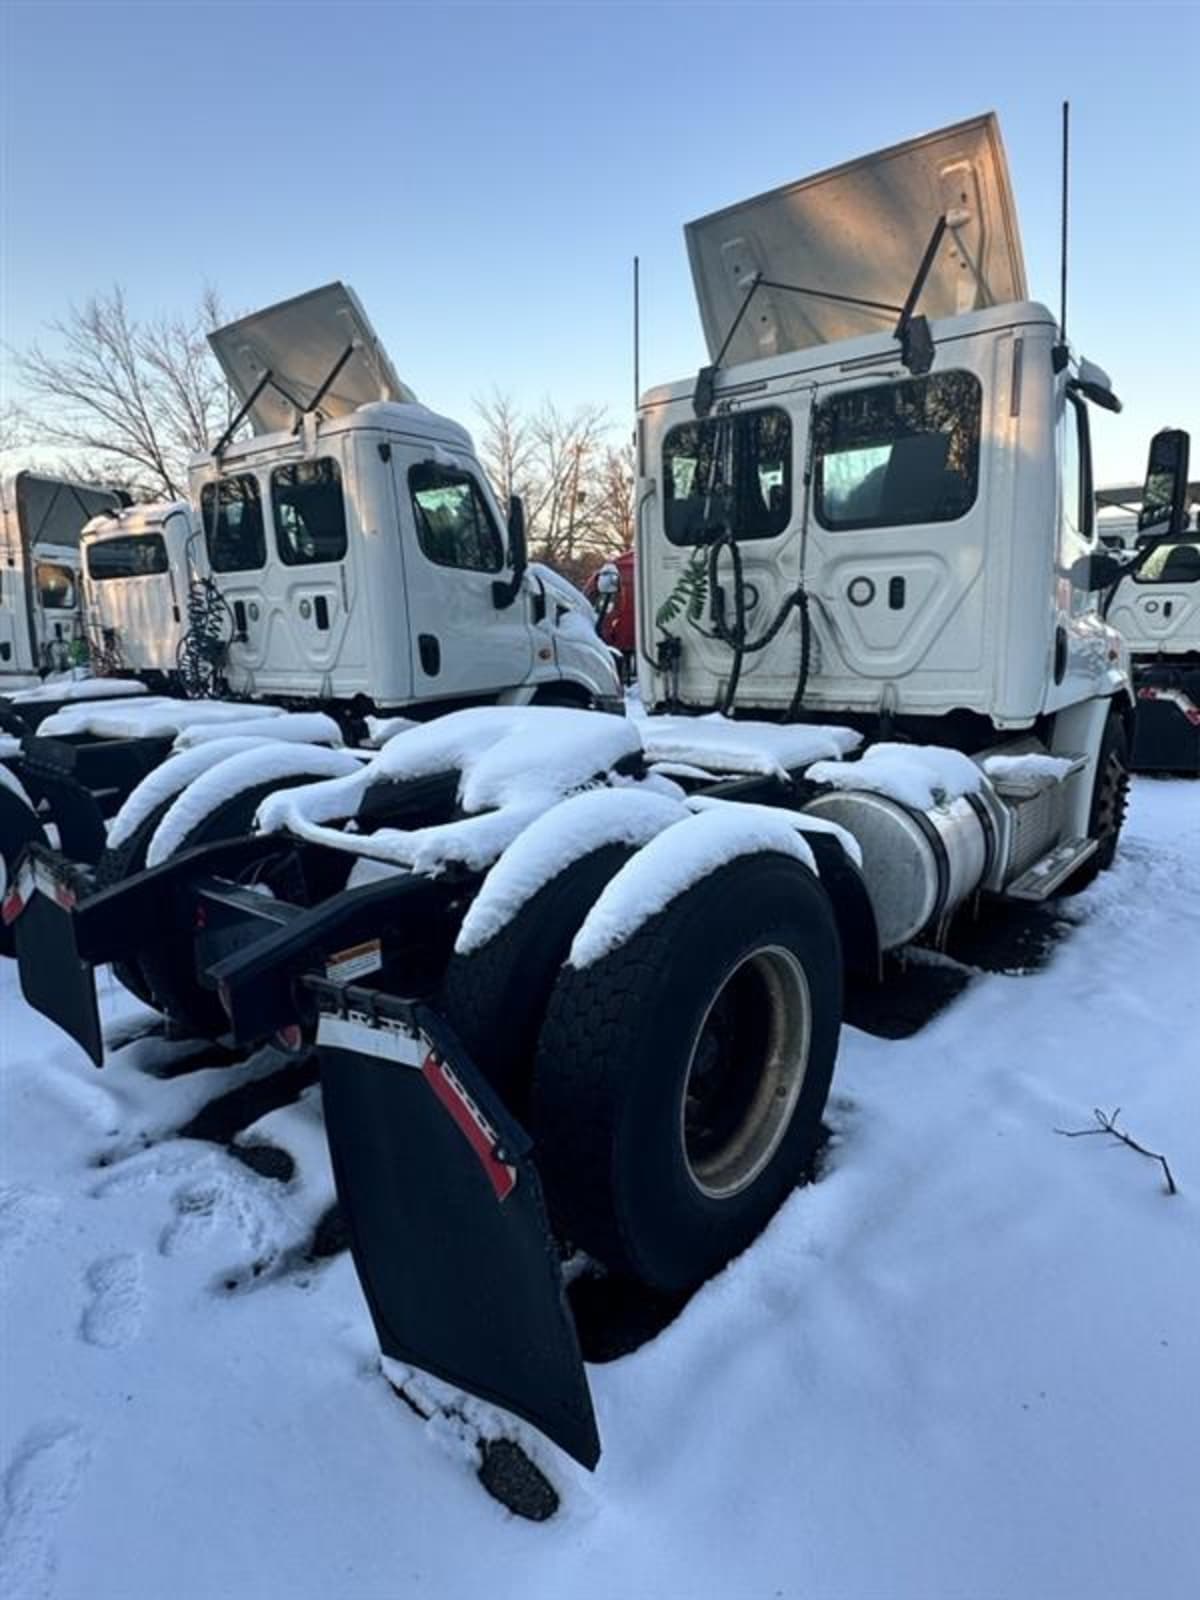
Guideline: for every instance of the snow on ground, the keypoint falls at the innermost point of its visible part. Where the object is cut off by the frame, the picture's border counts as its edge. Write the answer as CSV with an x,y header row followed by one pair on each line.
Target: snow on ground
x,y
963,1364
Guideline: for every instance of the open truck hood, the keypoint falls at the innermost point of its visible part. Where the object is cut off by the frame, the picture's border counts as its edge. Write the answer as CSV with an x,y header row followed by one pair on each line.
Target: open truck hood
x,y
300,342
861,230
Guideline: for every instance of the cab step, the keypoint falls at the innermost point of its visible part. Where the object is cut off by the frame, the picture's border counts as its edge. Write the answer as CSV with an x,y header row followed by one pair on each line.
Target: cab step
x,y
1040,881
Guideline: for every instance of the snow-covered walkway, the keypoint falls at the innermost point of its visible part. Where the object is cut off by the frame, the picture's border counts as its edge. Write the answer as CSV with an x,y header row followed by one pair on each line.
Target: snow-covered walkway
x,y
966,1363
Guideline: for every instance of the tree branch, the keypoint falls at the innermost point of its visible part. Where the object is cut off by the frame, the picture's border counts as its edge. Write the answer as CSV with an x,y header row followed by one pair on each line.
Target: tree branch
x,y
1107,1123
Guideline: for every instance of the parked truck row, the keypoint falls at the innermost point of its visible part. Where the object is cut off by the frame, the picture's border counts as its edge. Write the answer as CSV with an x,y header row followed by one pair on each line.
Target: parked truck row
x,y
575,982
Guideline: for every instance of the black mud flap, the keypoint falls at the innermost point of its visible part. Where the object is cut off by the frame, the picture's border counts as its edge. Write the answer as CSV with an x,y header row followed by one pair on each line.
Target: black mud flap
x,y
447,1222
55,979
1166,735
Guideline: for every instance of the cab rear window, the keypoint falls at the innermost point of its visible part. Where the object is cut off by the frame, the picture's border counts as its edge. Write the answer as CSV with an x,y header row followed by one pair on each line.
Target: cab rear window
x,y
1177,562
896,454
133,555
310,512
233,524
728,474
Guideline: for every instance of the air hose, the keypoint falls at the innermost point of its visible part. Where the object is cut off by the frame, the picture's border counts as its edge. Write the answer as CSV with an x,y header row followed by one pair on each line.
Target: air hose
x,y
734,637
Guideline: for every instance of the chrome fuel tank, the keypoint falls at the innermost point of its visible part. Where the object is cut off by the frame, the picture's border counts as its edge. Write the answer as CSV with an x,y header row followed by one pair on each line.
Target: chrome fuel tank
x,y
918,865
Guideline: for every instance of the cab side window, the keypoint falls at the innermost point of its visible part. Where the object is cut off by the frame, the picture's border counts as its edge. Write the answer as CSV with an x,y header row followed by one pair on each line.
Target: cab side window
x,y
310,512
233,524
454,526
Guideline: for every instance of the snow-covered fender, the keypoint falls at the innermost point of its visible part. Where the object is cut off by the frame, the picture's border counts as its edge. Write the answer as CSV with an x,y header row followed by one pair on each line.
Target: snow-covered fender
x,y
446,1218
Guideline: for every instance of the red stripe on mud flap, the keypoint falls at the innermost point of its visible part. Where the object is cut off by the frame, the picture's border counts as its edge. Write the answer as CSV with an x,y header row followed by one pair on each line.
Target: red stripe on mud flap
x,y
476,1129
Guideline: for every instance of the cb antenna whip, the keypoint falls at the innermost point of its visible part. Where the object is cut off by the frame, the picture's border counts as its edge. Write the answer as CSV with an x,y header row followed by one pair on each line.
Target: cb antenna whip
x,y
1066,170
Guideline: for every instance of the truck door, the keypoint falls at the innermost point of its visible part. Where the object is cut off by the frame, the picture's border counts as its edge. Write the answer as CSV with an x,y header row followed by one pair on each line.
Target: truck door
x,y
895,548
737,473
280,551
462,643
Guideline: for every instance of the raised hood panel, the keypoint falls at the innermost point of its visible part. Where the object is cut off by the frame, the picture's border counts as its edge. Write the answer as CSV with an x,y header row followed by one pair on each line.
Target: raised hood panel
x,y
299,342
861,229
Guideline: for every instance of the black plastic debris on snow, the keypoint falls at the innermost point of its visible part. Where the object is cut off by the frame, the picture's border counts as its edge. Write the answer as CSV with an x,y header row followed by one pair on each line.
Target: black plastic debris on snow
x,y
504,1469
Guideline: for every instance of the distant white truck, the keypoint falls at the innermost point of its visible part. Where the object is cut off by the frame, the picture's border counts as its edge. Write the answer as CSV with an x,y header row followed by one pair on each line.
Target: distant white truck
x,y
1157,607
140,567
357,542
41,618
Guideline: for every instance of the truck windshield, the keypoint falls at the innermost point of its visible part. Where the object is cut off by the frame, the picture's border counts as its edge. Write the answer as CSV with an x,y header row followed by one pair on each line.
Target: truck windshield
x,y
233,524
731,473
132,555
895,454
1173,563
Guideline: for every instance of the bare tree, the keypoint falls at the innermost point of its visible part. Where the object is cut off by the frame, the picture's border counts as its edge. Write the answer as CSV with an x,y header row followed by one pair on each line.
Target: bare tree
x,y
616,491
505,447
568,449
127,399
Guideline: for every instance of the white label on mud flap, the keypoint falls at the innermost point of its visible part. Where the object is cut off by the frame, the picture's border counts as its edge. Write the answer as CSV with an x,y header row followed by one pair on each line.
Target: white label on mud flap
x,y
386,1042
356,962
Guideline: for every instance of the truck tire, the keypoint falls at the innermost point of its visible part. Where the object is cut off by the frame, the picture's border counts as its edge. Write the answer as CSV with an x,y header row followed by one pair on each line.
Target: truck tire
x,y
115,865
680,1079
168,966
1110,800
495,997
19,827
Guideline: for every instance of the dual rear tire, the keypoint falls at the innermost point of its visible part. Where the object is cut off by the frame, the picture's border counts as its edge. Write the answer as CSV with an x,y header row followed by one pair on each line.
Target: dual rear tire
x,y
674,1088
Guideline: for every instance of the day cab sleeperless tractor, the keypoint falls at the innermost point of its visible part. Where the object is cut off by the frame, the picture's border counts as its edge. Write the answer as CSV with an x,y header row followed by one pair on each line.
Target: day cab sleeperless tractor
x,y
347,559
575,981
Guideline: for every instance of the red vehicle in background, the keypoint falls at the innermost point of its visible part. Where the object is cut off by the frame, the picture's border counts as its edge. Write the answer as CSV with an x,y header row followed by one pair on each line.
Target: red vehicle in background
x,y
610,589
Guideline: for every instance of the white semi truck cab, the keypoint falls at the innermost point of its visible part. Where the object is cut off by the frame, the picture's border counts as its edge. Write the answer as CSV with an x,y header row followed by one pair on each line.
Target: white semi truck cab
x,y
1157,606
139,567
841,528
41,619
357,542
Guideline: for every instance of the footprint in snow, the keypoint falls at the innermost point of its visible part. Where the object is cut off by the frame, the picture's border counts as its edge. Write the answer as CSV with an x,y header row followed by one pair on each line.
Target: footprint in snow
x,y
25,1214
41,1481
113,1314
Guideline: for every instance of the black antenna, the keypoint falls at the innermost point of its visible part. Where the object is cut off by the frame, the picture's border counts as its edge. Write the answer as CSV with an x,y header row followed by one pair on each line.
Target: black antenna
x,y
1066,168
637,377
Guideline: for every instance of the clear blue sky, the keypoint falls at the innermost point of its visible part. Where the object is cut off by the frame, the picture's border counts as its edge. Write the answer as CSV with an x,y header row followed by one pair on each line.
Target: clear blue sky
x,y
483,175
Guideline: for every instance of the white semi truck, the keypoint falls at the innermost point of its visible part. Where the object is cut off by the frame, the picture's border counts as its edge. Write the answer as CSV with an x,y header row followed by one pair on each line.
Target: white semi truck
x,y
41,619
575,982
347,558
1157,606
142,567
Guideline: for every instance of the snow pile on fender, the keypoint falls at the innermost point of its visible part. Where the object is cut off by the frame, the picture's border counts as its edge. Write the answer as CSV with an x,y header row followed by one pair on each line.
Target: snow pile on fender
x,y
675,860
168,779
560,836
77,689
298,727
155,717
514,762
718,744
921,776
264,764
800,820
1010,769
